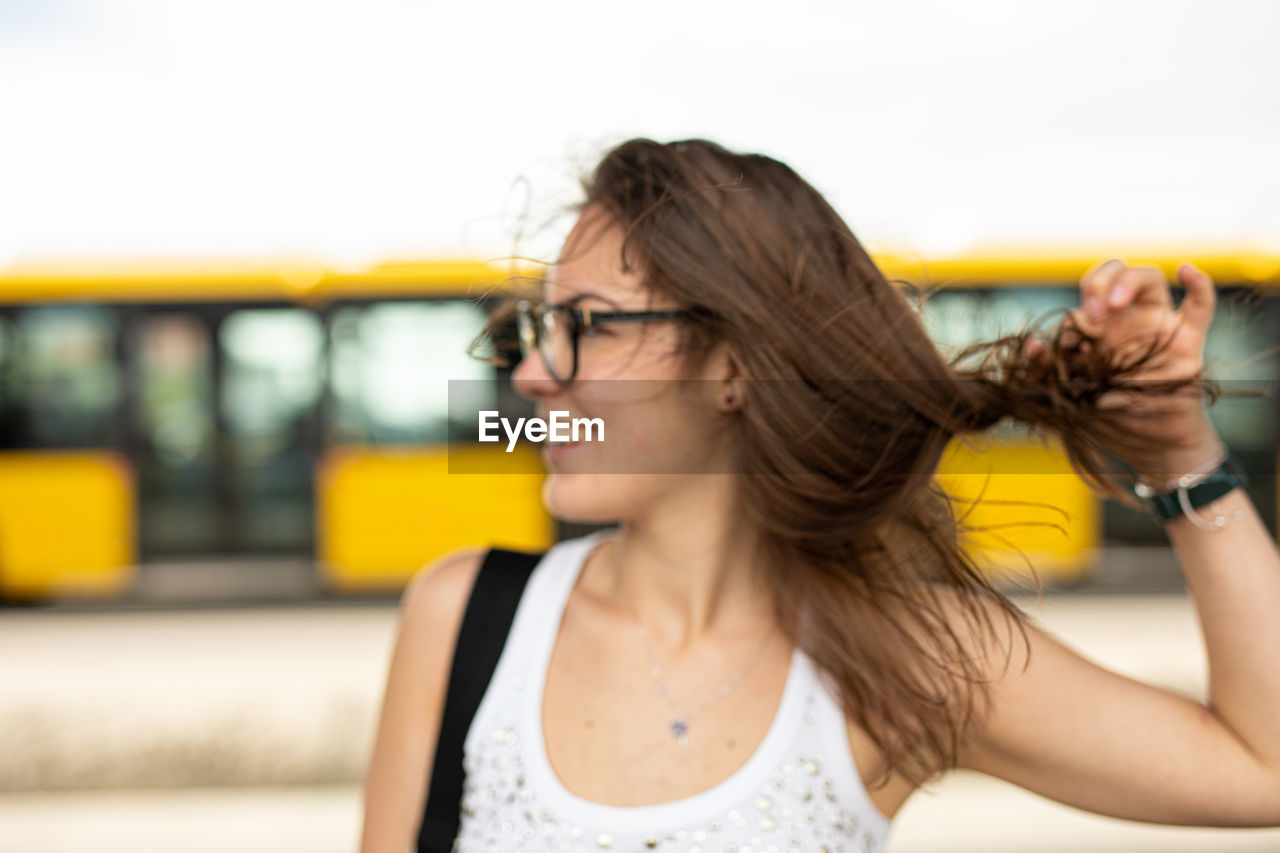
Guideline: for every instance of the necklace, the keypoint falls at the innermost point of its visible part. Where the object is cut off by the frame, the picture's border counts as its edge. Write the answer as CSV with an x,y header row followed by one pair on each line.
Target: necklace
x,y
680,722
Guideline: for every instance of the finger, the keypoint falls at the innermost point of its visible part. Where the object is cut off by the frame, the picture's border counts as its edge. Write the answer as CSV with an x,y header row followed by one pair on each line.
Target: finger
x,y
1081,320
1139,285
1037,351
1114,399
1202,295
1094,287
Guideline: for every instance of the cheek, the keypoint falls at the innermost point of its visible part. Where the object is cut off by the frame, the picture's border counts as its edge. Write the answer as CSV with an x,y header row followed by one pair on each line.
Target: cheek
x,y
631,473
650,426
637,422
645,431
661,437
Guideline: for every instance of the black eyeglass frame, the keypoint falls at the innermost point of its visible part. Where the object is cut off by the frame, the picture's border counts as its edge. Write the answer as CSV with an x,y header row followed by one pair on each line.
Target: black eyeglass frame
x,y
529,320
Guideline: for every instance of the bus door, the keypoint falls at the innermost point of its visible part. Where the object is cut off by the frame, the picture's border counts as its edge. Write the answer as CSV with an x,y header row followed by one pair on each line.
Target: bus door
x,y
173,437
226,413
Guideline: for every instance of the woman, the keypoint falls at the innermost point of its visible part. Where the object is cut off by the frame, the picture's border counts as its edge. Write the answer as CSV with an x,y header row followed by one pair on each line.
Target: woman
x,y
783,637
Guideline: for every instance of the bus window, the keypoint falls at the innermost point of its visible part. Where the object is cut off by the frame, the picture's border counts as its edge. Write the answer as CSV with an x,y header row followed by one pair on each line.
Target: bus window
x,y
65,381
958,318
1234,352
7,389
392,365
953,319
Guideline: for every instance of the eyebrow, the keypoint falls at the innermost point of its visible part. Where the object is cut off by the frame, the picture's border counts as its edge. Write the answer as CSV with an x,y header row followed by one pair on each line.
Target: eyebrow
x,y
577,298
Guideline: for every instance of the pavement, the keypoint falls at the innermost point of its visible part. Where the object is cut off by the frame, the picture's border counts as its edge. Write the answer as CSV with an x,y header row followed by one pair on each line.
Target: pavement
x,y
247,728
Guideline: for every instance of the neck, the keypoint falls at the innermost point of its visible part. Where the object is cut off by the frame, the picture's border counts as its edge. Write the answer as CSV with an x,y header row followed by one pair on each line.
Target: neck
x,y
687,580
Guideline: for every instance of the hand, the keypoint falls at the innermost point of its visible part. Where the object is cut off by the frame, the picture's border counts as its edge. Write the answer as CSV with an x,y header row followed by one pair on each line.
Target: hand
x,y
1125,309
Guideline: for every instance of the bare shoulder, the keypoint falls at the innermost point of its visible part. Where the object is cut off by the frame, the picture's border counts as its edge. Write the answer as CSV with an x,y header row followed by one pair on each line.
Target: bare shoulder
x,y
437,594
398,775
431,610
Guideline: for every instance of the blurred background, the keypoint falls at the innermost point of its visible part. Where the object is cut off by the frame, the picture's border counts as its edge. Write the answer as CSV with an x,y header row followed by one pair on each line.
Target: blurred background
x,y
243,247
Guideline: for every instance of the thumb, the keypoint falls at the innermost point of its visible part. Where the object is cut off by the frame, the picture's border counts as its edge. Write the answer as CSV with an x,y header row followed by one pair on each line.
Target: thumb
x,y
1037,352
1197,306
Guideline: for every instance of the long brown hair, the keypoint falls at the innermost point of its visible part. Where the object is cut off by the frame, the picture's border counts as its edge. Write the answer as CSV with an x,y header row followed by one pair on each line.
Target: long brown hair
x,y
867,555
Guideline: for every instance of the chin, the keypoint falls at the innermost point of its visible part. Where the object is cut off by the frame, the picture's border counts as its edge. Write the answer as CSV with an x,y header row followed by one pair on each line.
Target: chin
x,y
589,498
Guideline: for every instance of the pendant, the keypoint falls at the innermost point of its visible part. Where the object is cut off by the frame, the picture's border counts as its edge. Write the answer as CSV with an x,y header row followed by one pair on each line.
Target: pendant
x,y
680,729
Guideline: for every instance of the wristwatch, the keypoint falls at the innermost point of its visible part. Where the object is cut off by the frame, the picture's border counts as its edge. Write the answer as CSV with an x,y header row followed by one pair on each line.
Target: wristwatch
x,y
1198,490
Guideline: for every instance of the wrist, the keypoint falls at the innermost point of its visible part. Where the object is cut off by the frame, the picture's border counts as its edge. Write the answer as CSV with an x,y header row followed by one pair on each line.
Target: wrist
x,y
1195,488
1200,456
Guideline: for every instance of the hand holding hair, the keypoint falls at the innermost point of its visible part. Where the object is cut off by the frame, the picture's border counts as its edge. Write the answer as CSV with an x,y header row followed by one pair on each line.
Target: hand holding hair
x,y
1130,313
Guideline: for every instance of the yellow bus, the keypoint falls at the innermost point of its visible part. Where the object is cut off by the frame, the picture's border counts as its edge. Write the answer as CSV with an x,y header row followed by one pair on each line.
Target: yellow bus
x,y
162,414
155,414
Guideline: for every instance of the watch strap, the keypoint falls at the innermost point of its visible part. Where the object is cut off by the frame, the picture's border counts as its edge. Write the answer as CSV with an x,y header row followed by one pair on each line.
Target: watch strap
x,y
1227,476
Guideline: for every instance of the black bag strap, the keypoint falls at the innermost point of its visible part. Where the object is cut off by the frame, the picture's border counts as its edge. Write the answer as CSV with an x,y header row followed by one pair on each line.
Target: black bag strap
x,y
497,590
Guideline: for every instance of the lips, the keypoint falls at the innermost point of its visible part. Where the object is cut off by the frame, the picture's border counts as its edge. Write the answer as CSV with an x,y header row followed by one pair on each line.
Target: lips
x,y
555,453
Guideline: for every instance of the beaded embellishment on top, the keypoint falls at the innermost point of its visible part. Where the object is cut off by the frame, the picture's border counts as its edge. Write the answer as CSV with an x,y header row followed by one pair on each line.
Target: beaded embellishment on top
x,y
795,810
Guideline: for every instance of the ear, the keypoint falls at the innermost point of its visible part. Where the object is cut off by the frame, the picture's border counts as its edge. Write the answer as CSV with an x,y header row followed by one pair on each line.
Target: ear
x,y
724,379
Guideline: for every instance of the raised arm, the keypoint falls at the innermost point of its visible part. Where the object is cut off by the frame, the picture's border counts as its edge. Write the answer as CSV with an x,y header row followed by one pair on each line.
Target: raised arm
x,y
1073,731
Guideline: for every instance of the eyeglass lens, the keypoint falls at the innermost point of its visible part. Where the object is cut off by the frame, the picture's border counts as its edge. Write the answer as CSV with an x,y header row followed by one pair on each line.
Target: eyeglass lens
x,y
549,329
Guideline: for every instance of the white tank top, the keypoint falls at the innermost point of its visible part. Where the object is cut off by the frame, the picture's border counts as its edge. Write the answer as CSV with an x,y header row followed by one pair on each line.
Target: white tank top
x,y
799,792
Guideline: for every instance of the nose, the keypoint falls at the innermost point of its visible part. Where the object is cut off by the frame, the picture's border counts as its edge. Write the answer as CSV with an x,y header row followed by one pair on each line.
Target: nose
x,y
531,380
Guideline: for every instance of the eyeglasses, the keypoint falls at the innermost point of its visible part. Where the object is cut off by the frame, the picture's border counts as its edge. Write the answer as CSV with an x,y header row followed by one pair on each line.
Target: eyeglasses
x,y
553,330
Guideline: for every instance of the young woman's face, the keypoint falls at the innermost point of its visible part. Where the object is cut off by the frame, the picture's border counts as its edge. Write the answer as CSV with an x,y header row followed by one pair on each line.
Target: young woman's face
x,y
659,429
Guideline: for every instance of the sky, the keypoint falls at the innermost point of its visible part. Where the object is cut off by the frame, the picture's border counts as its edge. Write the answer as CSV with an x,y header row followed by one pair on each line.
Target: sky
x,y
356,132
